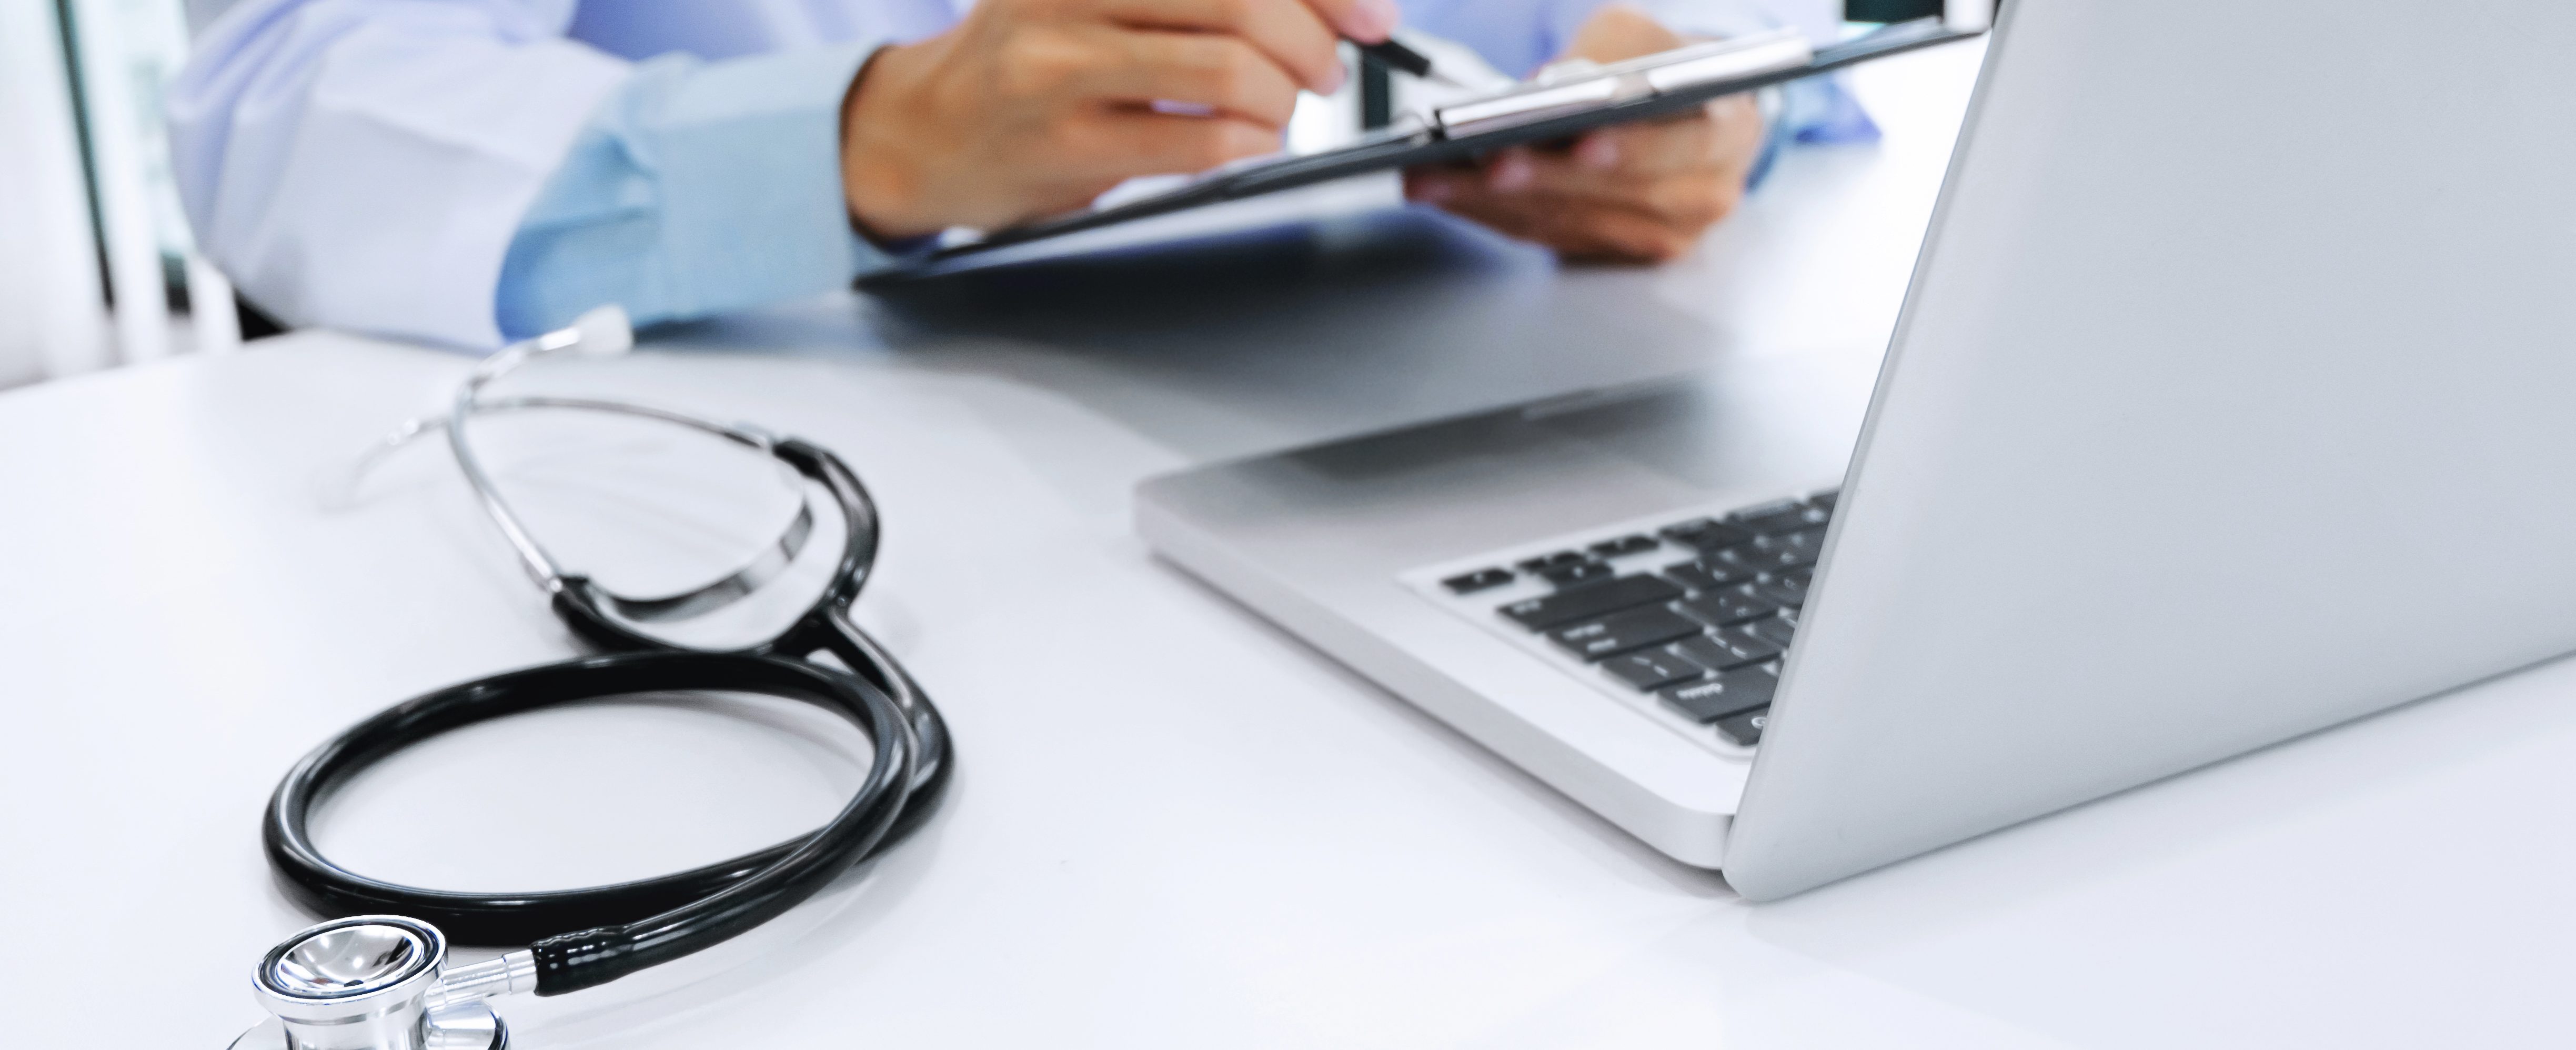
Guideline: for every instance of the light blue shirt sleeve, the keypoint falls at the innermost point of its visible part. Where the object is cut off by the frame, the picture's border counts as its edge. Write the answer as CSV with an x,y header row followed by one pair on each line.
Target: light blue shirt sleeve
x,y
373,164
702,187
461,171
698,187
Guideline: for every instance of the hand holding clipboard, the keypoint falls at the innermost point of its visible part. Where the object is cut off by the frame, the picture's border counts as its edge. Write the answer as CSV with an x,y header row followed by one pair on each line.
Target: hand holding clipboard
x,y
1559,106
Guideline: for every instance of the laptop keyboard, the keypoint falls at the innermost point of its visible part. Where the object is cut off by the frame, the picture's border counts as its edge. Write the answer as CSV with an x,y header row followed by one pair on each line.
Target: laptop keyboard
x,y
1694,614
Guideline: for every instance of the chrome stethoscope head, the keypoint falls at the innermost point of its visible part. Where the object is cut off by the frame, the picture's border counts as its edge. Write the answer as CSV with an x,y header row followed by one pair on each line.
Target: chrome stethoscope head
x,y
380,982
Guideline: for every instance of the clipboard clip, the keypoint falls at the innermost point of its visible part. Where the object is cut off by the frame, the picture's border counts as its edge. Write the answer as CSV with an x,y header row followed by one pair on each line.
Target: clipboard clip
x,y
1577,85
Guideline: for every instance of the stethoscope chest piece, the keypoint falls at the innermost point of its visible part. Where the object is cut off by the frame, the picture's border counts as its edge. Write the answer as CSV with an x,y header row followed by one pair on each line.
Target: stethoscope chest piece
x,y
374,982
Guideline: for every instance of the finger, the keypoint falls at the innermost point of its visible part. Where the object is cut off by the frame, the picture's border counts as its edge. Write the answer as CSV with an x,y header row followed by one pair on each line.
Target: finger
x,y
1692,199
1437,185
1606,234
1691,203
1466,197
1055,197
1652,148
1512,170
1741,130
1221,73
1591,233
1128,142
1531,181
1619,32
1725,133
1578,227
1613,235
1294,35
1367,21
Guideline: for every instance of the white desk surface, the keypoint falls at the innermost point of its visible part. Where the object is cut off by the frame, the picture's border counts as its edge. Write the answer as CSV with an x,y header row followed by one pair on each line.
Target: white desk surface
x,y
1172,825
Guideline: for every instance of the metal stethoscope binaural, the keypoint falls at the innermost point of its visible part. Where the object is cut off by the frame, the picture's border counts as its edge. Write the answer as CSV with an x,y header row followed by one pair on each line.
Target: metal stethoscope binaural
x,y
379,980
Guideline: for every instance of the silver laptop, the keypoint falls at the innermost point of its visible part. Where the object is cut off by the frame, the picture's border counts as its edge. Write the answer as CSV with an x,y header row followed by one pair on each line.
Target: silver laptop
x,y
2234,397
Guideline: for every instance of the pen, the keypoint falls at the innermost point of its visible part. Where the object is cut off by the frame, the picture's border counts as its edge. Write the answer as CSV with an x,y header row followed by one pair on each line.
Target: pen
x,y
1398,56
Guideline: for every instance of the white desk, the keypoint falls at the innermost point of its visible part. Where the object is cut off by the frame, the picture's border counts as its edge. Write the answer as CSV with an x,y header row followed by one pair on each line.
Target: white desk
x,y
1172,825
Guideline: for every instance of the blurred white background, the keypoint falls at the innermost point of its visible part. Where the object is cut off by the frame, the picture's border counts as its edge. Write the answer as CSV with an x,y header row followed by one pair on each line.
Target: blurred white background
x,y
97,267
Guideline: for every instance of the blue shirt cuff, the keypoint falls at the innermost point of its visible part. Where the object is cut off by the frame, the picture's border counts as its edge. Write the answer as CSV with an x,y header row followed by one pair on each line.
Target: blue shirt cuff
x,y
697,188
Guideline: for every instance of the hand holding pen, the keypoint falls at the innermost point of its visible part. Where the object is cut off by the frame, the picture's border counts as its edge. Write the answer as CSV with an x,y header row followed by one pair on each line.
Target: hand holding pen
x,y
1033,107
1406,60
1030,108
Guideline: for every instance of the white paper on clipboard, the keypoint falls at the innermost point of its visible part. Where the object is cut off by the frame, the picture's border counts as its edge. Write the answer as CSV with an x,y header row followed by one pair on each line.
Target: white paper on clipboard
x,y
1564,101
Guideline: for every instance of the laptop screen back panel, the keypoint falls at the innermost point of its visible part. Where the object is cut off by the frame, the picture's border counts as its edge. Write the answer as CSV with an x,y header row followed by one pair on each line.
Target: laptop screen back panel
x,y
2235,397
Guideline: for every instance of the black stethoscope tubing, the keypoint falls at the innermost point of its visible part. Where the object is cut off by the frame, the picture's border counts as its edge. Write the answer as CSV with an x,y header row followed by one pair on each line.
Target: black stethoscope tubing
x,y
585,937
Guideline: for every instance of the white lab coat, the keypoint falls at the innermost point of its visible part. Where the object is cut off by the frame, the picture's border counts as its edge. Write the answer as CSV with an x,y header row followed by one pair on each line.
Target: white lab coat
x,y
366,163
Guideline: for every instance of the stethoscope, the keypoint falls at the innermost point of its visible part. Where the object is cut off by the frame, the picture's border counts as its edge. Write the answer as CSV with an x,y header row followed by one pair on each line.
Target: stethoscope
x,y
379,980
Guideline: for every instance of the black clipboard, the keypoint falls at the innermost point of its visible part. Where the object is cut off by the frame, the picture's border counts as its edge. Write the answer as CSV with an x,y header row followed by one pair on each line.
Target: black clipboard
x,y
1438,142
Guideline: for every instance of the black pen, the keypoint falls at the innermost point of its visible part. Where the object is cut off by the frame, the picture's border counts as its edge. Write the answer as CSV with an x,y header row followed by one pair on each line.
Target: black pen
x,y
1398,56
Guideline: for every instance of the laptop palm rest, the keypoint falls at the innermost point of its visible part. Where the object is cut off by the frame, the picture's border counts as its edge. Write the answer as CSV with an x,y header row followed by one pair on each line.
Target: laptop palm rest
x,y
1316,539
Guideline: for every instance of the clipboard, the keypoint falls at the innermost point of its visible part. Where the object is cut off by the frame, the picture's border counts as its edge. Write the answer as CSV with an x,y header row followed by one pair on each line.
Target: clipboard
x,y
1558,105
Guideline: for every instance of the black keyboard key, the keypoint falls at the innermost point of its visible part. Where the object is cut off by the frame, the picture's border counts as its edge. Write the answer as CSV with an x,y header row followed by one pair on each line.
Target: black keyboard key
x,y
1712,573
1577,573
1825,500
1789,589
1622,631
1784,551
1784,516
1728,607
1732,693
1781,559
1590,600
1728,650
1745,728
1557,560
1479,580
1652,669
1625,545
1774,630
1708,534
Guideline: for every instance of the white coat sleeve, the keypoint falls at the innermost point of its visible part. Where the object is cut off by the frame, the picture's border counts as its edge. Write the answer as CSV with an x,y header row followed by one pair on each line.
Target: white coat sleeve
x,y
364,164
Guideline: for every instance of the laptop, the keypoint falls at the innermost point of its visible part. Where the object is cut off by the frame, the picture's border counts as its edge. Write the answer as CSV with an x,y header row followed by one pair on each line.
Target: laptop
x,y
2234,397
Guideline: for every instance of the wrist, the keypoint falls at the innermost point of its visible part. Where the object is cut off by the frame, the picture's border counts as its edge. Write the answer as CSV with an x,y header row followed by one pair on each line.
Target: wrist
x,y
880,185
